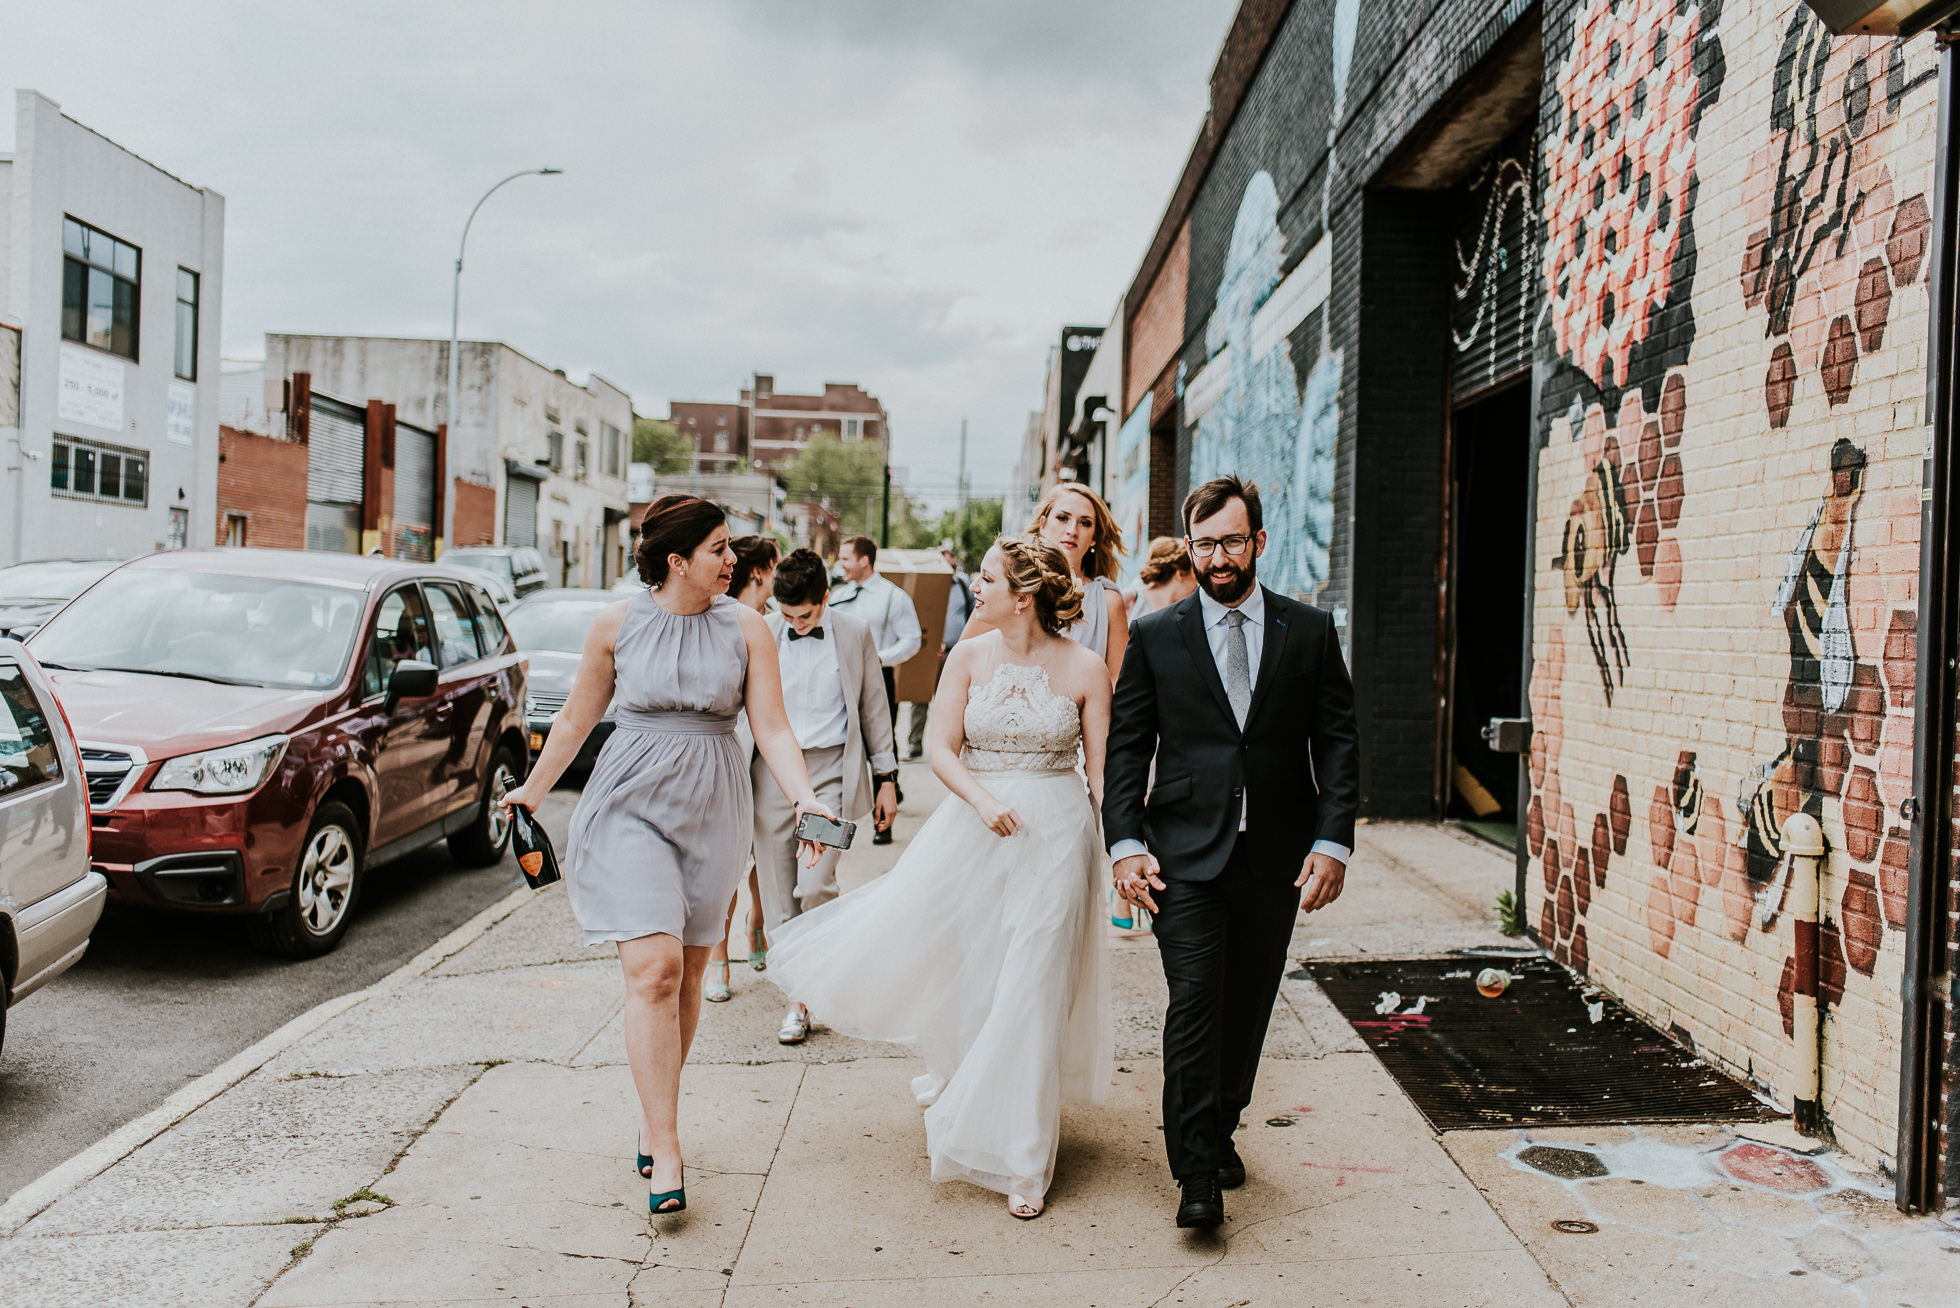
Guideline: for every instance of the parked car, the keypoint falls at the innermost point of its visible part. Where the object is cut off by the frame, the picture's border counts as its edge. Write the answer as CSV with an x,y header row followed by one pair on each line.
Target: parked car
x,y
495,582
522,568
550,626
261,727
50,899
31,592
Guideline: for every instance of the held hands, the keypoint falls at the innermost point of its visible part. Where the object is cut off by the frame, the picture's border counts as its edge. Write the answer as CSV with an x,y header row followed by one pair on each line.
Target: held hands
x,y
999,819
1322,877
884,809
1136,877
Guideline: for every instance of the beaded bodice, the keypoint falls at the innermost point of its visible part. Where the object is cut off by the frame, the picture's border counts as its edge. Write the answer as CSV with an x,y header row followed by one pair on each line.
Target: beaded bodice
x,y
1016,721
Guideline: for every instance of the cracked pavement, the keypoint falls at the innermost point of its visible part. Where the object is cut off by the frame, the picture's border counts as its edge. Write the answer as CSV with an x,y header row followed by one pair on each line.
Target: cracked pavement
x,y
464,1135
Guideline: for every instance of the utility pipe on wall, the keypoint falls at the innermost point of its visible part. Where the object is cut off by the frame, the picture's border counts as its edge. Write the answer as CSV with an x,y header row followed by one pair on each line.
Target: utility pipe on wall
x,y
1803,845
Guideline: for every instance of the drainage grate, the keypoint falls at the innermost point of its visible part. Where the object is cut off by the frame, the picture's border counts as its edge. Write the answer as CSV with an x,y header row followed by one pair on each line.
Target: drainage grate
x,y
1545,1051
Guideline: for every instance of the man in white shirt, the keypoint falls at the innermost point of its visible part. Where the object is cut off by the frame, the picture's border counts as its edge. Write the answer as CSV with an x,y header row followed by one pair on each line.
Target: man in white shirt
x,y
836,705
884,608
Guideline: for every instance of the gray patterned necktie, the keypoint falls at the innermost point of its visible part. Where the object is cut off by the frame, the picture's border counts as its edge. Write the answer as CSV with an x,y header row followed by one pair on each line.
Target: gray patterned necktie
x,y
1238,668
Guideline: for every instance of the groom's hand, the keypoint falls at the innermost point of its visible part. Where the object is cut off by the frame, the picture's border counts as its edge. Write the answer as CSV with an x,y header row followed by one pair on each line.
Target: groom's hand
x,y
1136,876
1322,877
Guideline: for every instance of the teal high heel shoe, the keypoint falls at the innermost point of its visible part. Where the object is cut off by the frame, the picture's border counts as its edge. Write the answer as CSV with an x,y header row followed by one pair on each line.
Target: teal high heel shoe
x,y
1120,923
758,949
676,1197
645,1164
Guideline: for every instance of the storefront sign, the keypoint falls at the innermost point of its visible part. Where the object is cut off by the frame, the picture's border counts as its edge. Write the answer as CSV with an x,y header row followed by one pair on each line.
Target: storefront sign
x,y
91,388
181,429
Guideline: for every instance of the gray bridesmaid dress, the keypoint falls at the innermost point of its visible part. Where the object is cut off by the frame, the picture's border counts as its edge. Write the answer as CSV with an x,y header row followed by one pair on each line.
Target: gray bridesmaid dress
x,y
662,834
1092,631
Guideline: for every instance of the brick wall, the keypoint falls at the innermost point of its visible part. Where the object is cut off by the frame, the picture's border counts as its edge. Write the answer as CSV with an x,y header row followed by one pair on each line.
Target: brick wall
x,y
264,478
475,519
1710,431
1156,328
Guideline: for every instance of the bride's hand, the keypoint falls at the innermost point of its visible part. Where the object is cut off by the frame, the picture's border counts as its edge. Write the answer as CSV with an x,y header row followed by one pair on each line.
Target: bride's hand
x,y
999,819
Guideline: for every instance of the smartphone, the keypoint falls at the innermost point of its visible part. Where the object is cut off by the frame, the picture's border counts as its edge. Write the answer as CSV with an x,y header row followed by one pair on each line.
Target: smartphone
x,y
825,831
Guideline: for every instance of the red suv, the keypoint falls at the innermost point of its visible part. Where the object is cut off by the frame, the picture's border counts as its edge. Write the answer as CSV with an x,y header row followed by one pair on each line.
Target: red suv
x,y
259,727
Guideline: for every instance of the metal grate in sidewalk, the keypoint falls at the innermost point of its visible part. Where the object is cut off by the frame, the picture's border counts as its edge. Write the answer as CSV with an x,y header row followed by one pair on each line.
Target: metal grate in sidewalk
x,y
1546,1051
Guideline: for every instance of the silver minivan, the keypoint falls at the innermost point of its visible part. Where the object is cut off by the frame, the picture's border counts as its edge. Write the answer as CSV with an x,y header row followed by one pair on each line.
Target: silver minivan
x,y
50,898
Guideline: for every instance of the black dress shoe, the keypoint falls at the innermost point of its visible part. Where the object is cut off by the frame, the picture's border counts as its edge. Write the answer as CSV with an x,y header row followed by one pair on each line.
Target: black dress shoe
x,y
1231,1173
1201,1205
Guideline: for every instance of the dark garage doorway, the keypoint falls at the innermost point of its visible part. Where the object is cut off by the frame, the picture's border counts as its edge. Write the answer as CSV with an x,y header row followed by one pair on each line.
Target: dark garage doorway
x,y
1489,576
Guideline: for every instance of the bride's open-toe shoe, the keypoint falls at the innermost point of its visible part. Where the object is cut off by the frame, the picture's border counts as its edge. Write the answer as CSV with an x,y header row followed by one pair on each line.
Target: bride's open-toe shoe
x,y
1024,1208
643,1162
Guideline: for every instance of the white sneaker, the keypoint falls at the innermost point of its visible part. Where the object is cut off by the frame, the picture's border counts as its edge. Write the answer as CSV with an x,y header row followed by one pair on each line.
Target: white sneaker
x,y
795,1028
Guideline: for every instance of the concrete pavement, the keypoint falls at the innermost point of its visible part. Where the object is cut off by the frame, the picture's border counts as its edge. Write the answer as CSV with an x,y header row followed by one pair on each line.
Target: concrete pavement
x,y
462,1134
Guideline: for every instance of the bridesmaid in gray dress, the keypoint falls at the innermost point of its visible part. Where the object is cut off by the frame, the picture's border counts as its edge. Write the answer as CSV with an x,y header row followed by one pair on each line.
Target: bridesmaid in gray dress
x,y
1074,519
662,833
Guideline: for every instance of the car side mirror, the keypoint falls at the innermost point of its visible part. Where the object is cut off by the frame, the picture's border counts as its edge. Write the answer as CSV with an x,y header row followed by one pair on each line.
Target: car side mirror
x,y
411,679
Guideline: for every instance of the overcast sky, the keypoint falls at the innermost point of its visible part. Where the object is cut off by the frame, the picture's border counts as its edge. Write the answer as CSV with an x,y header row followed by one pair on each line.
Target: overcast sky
x,y
911,195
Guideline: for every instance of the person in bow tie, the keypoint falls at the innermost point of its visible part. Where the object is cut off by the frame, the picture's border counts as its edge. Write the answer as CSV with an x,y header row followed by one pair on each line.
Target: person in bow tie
x,y
834,691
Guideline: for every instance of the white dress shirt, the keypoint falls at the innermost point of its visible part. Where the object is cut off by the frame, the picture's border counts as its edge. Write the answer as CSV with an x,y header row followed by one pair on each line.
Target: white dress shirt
x,y
1217,634
813,687
888,611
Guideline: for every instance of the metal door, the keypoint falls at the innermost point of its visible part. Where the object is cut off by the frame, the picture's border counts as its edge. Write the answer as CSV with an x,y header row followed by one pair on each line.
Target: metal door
x,y
520,512
334,458
415,492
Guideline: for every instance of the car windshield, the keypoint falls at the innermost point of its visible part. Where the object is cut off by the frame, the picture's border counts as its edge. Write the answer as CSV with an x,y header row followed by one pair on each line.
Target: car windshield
x,y
558,625
484,560
258,631
51,579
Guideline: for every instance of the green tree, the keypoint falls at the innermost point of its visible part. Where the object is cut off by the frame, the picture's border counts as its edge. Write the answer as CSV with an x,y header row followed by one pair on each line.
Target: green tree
x,y
848,478
659,442
973,537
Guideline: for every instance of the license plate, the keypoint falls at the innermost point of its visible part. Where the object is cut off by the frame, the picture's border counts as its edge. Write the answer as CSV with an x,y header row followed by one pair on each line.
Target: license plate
x,y
537,740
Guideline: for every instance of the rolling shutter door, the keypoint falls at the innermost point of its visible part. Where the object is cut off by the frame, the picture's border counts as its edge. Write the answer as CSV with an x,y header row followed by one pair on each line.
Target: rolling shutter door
x,y
415,490
1495,273
337,439
520,512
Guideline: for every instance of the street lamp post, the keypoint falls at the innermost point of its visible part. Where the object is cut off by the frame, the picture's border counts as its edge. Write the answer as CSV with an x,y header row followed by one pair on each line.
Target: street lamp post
x,y
456,290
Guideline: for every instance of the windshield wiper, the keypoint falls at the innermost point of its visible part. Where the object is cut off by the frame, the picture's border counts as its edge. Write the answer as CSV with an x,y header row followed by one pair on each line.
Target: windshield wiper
x,y
172,672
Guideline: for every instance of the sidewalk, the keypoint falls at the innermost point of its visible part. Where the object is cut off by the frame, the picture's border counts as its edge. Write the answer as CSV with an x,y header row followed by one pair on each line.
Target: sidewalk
x,y
462,1133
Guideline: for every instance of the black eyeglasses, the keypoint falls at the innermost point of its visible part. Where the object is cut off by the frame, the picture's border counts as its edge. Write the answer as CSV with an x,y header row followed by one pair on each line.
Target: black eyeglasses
x,y
1232,545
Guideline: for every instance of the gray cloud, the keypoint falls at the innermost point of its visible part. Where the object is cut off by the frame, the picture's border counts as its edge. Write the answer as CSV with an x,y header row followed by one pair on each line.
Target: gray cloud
x,y
912,196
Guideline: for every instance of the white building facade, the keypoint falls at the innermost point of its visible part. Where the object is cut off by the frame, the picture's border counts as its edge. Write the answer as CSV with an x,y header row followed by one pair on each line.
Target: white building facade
x,y
533,458
112,273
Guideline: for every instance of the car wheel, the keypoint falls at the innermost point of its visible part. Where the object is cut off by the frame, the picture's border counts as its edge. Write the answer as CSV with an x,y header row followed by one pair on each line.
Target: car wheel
x,y
482,842
325,886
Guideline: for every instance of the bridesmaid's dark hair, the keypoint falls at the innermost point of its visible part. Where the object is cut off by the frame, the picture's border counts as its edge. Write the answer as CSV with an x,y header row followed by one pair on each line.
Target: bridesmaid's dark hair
x,y
753,554
674,524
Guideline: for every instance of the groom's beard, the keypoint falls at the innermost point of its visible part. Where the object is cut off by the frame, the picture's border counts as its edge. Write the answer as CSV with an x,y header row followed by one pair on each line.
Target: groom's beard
x,y
1228,582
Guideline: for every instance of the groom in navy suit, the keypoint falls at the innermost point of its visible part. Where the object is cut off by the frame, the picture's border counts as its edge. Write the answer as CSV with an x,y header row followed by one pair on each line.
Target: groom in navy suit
x,y
1241,697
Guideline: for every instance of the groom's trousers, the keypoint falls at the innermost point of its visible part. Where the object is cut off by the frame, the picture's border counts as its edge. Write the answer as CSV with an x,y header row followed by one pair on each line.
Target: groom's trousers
x,y
1223,944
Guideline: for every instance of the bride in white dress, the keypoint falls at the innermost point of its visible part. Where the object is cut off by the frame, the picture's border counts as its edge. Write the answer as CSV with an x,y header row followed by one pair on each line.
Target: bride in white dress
x,y
983,947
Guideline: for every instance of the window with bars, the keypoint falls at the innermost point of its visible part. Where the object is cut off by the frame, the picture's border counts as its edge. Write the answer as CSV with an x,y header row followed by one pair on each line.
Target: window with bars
x,y
554,445
91,470
580,461
101,289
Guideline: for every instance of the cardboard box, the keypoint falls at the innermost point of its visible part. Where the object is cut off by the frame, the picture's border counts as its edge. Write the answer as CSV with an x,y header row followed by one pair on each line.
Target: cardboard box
x,y
924,576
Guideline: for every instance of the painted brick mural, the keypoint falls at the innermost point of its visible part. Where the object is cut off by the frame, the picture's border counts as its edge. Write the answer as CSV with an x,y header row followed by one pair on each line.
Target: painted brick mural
x,y
1732,372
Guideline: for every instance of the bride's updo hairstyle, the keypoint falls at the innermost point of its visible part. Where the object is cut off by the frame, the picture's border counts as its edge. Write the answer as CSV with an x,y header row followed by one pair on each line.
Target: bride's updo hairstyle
x,y
1035,567
674,524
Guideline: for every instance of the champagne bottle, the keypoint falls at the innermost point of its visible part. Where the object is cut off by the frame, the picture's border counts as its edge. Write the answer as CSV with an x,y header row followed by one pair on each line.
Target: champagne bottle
x,y
535,857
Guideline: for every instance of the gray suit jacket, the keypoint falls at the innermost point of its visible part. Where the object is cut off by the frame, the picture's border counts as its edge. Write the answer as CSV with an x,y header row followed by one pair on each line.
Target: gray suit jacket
x,y
868,735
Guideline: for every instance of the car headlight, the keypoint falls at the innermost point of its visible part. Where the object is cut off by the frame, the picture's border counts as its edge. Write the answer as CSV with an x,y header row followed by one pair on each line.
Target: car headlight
x,y
232,770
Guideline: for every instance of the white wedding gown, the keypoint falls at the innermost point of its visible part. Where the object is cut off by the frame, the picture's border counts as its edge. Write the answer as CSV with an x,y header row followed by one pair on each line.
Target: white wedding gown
x,y
984,952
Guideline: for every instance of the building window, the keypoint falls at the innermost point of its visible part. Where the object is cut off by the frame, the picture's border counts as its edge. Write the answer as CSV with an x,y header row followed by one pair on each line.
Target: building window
x,y
180,529
853,428
613,450
235,530
93,471
799,433
555,451
579,455
721,442
187,324
101,279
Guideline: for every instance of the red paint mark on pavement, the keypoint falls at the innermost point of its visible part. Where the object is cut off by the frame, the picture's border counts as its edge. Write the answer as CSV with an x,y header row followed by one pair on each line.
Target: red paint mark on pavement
x,y
1347,1169
1774,1169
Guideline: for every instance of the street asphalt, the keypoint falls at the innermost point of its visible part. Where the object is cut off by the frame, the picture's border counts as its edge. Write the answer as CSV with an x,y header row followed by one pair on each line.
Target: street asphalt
x,y
160,999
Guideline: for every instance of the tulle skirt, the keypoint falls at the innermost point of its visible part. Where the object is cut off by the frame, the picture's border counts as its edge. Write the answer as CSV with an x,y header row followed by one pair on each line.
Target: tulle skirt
x,y
986,954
